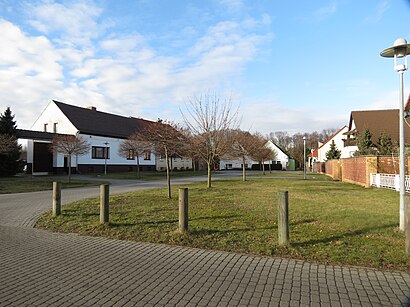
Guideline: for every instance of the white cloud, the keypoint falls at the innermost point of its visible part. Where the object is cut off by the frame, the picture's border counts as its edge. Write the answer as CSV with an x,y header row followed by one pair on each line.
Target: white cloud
x,y
378,12
270,116
77,21
325,11
79,60
29,72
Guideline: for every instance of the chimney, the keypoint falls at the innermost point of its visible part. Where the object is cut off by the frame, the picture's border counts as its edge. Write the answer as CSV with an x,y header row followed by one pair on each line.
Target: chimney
x,y
92,108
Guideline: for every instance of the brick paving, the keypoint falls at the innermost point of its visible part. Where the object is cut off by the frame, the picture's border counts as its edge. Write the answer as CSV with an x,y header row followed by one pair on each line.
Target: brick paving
x,y
38,268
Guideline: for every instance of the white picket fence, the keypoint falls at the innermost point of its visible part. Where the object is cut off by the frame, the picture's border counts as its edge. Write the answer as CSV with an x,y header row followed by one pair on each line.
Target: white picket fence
x,y
388,181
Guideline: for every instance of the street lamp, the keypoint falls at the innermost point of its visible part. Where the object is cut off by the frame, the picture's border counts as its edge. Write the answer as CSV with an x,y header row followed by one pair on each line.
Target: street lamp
x,y
400,50
105,157
304,157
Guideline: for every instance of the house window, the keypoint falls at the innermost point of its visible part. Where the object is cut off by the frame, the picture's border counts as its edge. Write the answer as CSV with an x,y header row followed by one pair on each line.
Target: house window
x,y
130,154
147,155
55,127
45,127
98,152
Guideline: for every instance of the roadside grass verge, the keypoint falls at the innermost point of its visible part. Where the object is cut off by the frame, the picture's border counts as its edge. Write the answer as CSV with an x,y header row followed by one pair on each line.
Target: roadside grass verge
x,y
149,175
330,222
27,183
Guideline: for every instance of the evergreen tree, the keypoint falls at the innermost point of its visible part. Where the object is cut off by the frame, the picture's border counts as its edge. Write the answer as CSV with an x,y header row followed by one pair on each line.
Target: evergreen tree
x,y
333,152
7,123
384,144
9,162
364,143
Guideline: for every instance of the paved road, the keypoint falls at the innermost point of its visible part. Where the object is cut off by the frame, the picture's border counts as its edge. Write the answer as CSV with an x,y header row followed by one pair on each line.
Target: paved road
x,y
48,269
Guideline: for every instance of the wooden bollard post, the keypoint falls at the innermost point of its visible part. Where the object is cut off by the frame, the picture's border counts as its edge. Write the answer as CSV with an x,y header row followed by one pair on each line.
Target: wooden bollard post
x,y
56,198
283,218
104,203
183,210
407,222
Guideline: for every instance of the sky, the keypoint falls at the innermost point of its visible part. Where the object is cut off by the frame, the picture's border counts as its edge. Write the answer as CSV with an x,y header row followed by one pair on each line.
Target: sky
x,y
295,66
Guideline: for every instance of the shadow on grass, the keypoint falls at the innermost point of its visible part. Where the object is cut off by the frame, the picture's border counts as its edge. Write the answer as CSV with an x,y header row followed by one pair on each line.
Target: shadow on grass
x,y
205,231
305,221
158,222
341,236
73,212
199,218
122,224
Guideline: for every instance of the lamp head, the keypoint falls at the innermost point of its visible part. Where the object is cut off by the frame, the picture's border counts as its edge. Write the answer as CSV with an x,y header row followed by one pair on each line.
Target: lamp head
x,y
399,50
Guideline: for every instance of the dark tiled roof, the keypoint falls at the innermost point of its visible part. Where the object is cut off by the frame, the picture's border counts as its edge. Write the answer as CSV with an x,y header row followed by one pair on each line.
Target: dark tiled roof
x,y
93,122
35,135
378,121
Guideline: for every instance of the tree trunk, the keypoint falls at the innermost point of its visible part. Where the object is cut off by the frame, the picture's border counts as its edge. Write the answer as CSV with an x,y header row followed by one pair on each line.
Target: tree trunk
x,y
270,167
168,174
243,169
263,167
138,167
209,174
69,168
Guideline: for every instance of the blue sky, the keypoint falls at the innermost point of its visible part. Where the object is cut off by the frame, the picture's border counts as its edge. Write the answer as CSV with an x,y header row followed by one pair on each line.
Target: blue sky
x,y
295,66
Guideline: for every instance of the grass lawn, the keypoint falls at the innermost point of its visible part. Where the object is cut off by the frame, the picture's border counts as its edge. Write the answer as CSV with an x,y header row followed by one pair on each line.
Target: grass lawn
x,y
27,183
150,175
330,222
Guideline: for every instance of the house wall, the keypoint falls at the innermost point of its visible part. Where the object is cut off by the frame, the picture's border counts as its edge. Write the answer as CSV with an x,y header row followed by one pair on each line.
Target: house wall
x,y
348,151
114,160
280,155
235,164
52,115
175,163
338,138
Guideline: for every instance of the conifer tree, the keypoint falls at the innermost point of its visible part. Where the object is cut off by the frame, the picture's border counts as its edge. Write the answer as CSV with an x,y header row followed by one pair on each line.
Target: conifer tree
x,y
384,144
364,143
9,161
333,152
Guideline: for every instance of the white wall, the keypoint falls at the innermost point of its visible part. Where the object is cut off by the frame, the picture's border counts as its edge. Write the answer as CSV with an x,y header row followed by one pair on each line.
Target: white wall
x,y
338,138
52,115
115,158
235,164
177,163
280,155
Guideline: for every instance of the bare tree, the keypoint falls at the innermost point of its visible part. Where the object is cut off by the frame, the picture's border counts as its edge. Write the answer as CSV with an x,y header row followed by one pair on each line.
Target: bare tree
x,y
244,145
166,139
262,153
69,145
133,148
209,118
281,138
7,143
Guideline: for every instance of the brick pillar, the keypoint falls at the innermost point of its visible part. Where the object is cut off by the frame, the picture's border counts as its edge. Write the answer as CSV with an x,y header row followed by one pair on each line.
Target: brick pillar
x,y
371,167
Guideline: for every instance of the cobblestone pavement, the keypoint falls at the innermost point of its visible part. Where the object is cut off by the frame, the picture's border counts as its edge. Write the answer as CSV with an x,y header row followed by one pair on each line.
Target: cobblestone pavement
x,y
38,268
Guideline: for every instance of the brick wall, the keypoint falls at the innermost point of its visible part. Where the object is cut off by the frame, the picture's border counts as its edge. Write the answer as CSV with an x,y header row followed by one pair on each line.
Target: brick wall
x,y
357,170
354,170
388,165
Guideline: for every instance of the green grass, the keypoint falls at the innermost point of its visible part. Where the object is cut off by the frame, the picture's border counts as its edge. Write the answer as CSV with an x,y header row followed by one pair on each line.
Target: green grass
x,y
27,183
146,175
330,222
290,174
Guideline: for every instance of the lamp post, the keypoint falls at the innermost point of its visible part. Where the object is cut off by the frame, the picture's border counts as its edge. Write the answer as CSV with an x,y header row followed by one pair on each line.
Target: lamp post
x,y
105,157
304,158
400,50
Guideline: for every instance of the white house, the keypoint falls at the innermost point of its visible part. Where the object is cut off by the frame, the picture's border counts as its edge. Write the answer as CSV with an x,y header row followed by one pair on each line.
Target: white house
x,y
338,138
103,131
281,158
